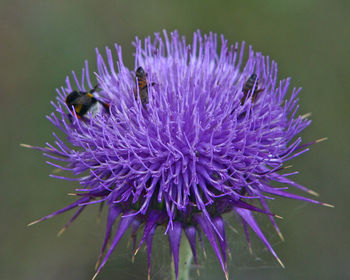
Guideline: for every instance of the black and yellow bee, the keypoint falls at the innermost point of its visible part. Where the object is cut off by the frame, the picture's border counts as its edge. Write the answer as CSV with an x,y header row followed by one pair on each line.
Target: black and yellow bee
x,y
248,86
84,102
141,76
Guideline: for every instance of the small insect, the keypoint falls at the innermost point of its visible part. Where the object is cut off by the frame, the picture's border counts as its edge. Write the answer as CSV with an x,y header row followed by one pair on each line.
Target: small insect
x,y
141,76
248,86
84,102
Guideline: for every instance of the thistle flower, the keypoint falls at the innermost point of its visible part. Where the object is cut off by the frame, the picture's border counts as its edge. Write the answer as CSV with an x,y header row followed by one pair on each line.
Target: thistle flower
x,y
188,137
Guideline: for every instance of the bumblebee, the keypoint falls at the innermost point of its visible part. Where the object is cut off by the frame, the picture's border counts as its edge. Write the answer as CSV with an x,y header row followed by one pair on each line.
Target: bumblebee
x,y
84,102
141,76
248,86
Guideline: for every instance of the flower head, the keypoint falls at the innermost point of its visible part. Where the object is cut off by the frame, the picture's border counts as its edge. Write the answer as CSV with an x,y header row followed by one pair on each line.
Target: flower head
x,y
184,137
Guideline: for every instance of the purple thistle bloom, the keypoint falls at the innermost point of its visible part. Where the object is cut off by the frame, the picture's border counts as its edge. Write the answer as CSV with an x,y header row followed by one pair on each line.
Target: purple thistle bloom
x,y
204,137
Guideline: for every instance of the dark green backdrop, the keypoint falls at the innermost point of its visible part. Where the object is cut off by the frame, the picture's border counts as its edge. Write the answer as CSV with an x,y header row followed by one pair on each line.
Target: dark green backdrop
x,y
42,41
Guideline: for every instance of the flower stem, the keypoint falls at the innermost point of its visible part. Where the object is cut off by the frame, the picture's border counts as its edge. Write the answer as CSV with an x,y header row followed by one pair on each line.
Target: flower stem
x,y
185,260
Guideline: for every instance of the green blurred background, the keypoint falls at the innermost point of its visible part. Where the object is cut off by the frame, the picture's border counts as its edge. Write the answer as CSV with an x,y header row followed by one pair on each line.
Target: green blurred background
x,y
43,41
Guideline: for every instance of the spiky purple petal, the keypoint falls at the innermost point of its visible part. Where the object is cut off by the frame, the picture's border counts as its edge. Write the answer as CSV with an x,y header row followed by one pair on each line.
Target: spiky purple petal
x,y
174,234
65,209
71,220
220,225
149,240
190,232
113,213
123,226
210,234
249,218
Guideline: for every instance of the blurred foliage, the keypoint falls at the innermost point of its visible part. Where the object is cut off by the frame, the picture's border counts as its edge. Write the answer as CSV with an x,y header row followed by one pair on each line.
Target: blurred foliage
x,y
43,41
